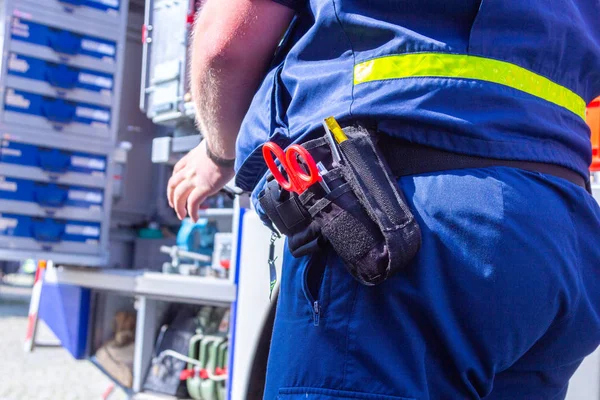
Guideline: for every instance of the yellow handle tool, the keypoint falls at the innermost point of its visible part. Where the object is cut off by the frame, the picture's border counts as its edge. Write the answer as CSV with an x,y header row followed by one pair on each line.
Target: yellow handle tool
x,y
335,129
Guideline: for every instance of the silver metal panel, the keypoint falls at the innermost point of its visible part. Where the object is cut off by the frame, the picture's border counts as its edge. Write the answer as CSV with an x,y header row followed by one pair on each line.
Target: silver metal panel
x,y
79,12
189,288
139,183
64,258
148,26
42,123
54,139
253,302
35,210
44,53
116,280
145,332
44,88
164,74
161,150
183,144
37,174
11,242
33,12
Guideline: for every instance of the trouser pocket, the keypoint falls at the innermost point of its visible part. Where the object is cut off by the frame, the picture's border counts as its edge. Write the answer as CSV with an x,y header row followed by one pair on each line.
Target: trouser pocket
x,y
307,393
315,283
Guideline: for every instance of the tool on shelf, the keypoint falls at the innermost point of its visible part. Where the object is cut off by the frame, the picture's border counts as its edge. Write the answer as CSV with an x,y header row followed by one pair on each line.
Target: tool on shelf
x,y
192,254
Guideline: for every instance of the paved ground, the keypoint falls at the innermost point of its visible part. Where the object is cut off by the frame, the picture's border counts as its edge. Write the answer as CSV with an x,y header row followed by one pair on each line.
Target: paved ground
x,y
47,373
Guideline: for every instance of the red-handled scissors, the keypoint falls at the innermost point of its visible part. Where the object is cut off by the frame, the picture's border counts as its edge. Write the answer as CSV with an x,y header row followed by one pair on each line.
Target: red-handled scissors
x,y
298,180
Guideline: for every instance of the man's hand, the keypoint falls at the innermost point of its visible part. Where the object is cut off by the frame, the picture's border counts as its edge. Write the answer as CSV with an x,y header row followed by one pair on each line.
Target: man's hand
x,y
195,177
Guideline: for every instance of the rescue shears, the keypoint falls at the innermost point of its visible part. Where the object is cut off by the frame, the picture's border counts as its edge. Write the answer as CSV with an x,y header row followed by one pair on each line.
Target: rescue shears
x,y
299,179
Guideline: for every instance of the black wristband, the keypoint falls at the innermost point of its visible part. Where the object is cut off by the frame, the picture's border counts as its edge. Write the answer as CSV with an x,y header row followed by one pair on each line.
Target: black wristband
x,y
221,162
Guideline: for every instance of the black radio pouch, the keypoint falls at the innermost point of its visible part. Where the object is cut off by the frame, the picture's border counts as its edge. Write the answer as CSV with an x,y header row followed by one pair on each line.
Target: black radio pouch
x,y
364,216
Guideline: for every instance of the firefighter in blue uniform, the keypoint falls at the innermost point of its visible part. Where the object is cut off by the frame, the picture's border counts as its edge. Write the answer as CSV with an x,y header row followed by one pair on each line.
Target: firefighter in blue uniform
x,y
503,299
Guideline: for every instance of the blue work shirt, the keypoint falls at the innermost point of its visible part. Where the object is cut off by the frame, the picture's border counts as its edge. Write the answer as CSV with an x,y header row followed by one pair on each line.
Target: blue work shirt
x,y
494,78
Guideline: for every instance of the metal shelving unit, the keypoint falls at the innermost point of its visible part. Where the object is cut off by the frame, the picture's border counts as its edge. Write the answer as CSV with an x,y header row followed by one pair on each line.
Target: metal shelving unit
x,y
61,80
67,135
248,306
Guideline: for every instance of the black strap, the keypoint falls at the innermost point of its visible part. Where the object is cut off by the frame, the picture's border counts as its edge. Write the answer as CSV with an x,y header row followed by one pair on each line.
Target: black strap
x,y
219,161
407,158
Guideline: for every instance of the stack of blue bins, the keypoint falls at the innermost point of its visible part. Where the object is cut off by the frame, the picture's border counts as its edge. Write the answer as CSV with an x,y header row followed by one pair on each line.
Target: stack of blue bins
x,y
58,114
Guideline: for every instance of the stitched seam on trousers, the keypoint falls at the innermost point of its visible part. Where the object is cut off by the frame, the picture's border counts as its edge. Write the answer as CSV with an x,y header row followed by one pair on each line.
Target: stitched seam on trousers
x,y
350,314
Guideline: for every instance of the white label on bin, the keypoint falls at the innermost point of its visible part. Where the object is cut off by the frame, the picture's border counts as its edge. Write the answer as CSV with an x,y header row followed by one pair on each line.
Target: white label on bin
x,y
82,195
16,100
92,113
8,186
102,48
10,152
110,3
16,23
19,29
19,32
82,230
100,81
17,64
6,223
86,162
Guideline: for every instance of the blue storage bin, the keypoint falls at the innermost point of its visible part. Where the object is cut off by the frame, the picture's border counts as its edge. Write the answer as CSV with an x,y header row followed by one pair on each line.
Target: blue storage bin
x,y
51,160
59,76
49,230
57,111
63,41
50,194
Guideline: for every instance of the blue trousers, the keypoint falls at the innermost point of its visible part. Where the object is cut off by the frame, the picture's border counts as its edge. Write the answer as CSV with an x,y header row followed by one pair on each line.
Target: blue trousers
x,y
502,301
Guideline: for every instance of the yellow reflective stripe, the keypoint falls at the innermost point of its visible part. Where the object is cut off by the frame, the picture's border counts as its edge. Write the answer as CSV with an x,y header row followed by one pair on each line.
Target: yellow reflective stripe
x,y
443,65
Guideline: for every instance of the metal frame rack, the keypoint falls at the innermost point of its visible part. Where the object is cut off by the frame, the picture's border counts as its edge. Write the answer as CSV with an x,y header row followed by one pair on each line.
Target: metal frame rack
x,y
164,95
61,74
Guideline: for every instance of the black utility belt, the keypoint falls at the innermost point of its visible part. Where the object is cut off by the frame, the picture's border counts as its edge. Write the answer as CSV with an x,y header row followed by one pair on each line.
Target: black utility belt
x,y
358,207
407,159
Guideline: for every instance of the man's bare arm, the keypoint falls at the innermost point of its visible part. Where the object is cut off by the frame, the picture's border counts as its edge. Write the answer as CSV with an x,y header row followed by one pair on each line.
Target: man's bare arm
x,y
233,43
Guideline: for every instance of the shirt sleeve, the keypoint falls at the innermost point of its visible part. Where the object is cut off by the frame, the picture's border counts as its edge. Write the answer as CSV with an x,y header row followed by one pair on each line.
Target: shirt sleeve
x,y
295,5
